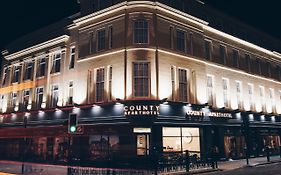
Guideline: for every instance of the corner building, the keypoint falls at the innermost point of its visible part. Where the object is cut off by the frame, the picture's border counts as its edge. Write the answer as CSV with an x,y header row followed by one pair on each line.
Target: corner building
x,y
139,75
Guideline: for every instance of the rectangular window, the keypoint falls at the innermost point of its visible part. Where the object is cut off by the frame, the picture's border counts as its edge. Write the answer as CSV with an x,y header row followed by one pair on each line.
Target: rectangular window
x,y
183,85
70,93
141,79
1,102
41,67
271,99
25,98
222,54
239,94
248,62
100,85
235,58
251,96
39,97
190,49
141,32
225,88
16,75
101,39
14,96
72,57
173,82
110,37
54,96
180,37
6,75
110,83
171,37
28,71
258,64
262,98
210,91
208,50
56,62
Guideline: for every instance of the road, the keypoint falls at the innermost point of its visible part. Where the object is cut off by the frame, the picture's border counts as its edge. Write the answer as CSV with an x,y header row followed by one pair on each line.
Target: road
x,y
266,169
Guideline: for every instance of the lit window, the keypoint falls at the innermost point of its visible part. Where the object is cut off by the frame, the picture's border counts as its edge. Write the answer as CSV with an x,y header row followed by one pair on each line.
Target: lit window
x,y
28,71
1,102
6,75
180,38
140,31
225,92
25,98
110,83
250,96
100,85
70,93
41,67
262,99
39,97
54,96
210,91
56,62
14,96
183,85
101,39
72,58
141,79
208,50
16,74
271,100
239,94
173,82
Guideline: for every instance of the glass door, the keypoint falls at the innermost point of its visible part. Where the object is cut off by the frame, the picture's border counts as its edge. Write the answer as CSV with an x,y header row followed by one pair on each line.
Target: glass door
x,y
142,144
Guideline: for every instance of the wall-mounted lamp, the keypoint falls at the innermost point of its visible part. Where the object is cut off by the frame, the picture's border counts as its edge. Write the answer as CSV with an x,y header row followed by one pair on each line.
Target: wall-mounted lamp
x,y
164,101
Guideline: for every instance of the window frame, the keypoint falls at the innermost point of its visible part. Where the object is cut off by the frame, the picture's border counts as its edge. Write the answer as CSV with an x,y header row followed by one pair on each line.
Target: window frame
x,y
141,34
148,78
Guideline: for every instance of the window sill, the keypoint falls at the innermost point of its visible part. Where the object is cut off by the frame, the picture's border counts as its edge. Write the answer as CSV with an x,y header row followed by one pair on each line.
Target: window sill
x,y
55,74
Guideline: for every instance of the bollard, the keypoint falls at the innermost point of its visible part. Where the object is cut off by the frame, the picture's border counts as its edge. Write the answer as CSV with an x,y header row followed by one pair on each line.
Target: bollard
x,y
187,160
267,154
280,151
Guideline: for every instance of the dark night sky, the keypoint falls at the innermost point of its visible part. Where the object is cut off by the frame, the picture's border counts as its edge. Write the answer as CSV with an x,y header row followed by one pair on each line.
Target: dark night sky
x,y
19,17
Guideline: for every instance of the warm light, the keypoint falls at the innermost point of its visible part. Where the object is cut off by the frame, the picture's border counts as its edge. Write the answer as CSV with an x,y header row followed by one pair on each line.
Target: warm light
x,y
16,108
29,107
43,105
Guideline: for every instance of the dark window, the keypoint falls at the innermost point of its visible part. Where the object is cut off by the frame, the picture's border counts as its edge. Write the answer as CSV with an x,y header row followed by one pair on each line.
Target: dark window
x,y
39,97
100,85
101,39
222,54
235,58
268,67
72,58
171,37
54,95
258,64
28,71
141,31
173,82
16,74
180,35
14,96
190,49
56,63
248,62
41,67
183,84
25,98
141,79
110,37
208,50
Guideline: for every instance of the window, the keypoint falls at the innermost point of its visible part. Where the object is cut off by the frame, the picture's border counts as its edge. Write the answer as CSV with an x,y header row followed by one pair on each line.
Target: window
x,y
110,37
190,49
208,50
239,94
41,67
210,91
180,37
222,54
56,62
16,74
70,93
258,64
171,37
235,58
183,84
268,68
100,85
141,79
178,139
39,97
140,32
225,89
54,96
248,62
110,83
250,96
173,82
14,96
25,98
72,58
1,102
271,100
262,99
101,39
6,75
28,71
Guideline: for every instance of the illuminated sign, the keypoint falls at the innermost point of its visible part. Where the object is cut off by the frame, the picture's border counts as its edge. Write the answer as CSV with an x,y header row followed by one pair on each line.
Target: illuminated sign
x,y
209,114
141,110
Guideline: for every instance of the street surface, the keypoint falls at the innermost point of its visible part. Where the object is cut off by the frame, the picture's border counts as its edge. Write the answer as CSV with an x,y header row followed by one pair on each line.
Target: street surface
x,y
266,169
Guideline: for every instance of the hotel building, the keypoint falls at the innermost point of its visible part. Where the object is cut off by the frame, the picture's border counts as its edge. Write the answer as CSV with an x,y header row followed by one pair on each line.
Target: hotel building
x,y
140,75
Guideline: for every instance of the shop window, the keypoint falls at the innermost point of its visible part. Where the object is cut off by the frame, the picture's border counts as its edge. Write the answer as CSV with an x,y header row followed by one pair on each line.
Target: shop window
x,y
100,39
41,67
54,96
141,79
39,97
141,32
103,146
28,71
208,50
61,149
210,90
100,77
181,139
56,62
180,40
234,146
72,57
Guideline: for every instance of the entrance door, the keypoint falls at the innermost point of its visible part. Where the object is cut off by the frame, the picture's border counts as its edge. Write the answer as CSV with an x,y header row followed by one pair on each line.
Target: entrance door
x,y
142,144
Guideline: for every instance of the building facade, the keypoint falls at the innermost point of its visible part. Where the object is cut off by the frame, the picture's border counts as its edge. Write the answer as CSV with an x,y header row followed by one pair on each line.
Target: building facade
x,y
138,75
